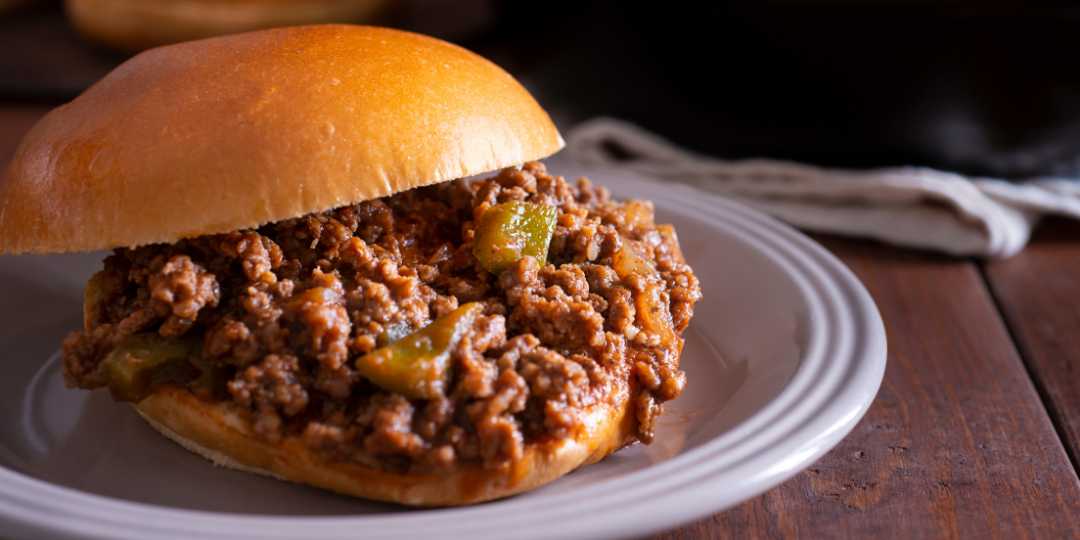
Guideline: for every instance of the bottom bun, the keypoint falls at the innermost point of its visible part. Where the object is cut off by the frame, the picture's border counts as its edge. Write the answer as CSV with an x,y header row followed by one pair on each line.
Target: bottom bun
x,y
219,433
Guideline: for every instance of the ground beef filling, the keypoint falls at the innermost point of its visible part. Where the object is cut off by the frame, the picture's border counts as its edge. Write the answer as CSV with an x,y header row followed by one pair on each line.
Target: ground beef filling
x,y
281,313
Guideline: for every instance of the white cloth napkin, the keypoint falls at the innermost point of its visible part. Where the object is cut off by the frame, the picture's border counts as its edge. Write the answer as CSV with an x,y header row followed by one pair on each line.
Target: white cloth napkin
x,y
908,206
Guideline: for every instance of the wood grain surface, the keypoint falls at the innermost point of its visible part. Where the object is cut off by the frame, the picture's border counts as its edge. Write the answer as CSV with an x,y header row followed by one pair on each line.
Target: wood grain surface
x,y
1039,294
959,443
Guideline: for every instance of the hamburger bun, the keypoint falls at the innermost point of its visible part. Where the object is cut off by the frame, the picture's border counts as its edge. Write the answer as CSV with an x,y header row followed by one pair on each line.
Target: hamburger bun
x,y
134,25
234,132
218,433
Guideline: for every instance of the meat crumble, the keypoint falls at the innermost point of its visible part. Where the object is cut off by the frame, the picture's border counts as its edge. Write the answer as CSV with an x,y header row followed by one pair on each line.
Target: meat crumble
x,y
278,315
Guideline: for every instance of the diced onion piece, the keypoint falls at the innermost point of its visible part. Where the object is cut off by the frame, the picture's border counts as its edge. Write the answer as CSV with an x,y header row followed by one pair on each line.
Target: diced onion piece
x,y
653,313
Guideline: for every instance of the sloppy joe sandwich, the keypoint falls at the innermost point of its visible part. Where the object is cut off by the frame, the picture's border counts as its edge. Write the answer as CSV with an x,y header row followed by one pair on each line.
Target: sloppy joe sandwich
x,y
308,280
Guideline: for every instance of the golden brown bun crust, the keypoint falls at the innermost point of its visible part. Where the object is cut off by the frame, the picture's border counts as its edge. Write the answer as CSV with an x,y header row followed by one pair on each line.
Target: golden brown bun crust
x,y
134,25
234,132
218,433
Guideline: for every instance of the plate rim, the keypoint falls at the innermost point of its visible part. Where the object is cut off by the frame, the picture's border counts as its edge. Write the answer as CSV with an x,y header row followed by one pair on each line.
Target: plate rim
x,y
833,386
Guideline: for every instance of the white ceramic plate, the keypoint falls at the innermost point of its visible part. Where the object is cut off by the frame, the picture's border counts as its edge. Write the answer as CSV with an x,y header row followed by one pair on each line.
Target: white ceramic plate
x,y
785,354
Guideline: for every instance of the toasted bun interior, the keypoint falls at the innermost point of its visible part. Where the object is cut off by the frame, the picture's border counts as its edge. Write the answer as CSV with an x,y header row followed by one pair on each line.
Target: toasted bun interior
x,y
217,432
234,132
134,25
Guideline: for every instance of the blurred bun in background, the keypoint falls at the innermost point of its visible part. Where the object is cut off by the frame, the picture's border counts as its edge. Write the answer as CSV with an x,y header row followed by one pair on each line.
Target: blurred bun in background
x,y
6,5
973,86
134,25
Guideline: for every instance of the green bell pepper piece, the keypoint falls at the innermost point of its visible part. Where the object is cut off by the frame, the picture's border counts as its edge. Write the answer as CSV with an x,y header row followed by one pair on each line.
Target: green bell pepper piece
x,y
511,230
142,362
417,366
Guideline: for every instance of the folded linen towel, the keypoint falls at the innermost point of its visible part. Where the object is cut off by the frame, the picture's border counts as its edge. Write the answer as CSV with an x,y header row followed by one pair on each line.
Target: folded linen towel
x,y
907,206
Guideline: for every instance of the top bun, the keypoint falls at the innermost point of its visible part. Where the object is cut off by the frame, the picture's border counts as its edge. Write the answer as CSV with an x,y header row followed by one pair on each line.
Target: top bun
x,y
237,131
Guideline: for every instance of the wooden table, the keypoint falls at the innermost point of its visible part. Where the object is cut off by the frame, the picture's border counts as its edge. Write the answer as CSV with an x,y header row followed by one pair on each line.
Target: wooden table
x,y
976,430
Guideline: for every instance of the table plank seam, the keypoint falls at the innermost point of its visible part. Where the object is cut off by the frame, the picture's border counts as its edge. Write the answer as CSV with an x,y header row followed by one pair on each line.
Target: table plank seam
x,y
1057,417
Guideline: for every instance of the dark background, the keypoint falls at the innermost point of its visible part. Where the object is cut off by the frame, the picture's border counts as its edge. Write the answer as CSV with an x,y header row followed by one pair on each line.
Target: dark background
x,y
978,87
